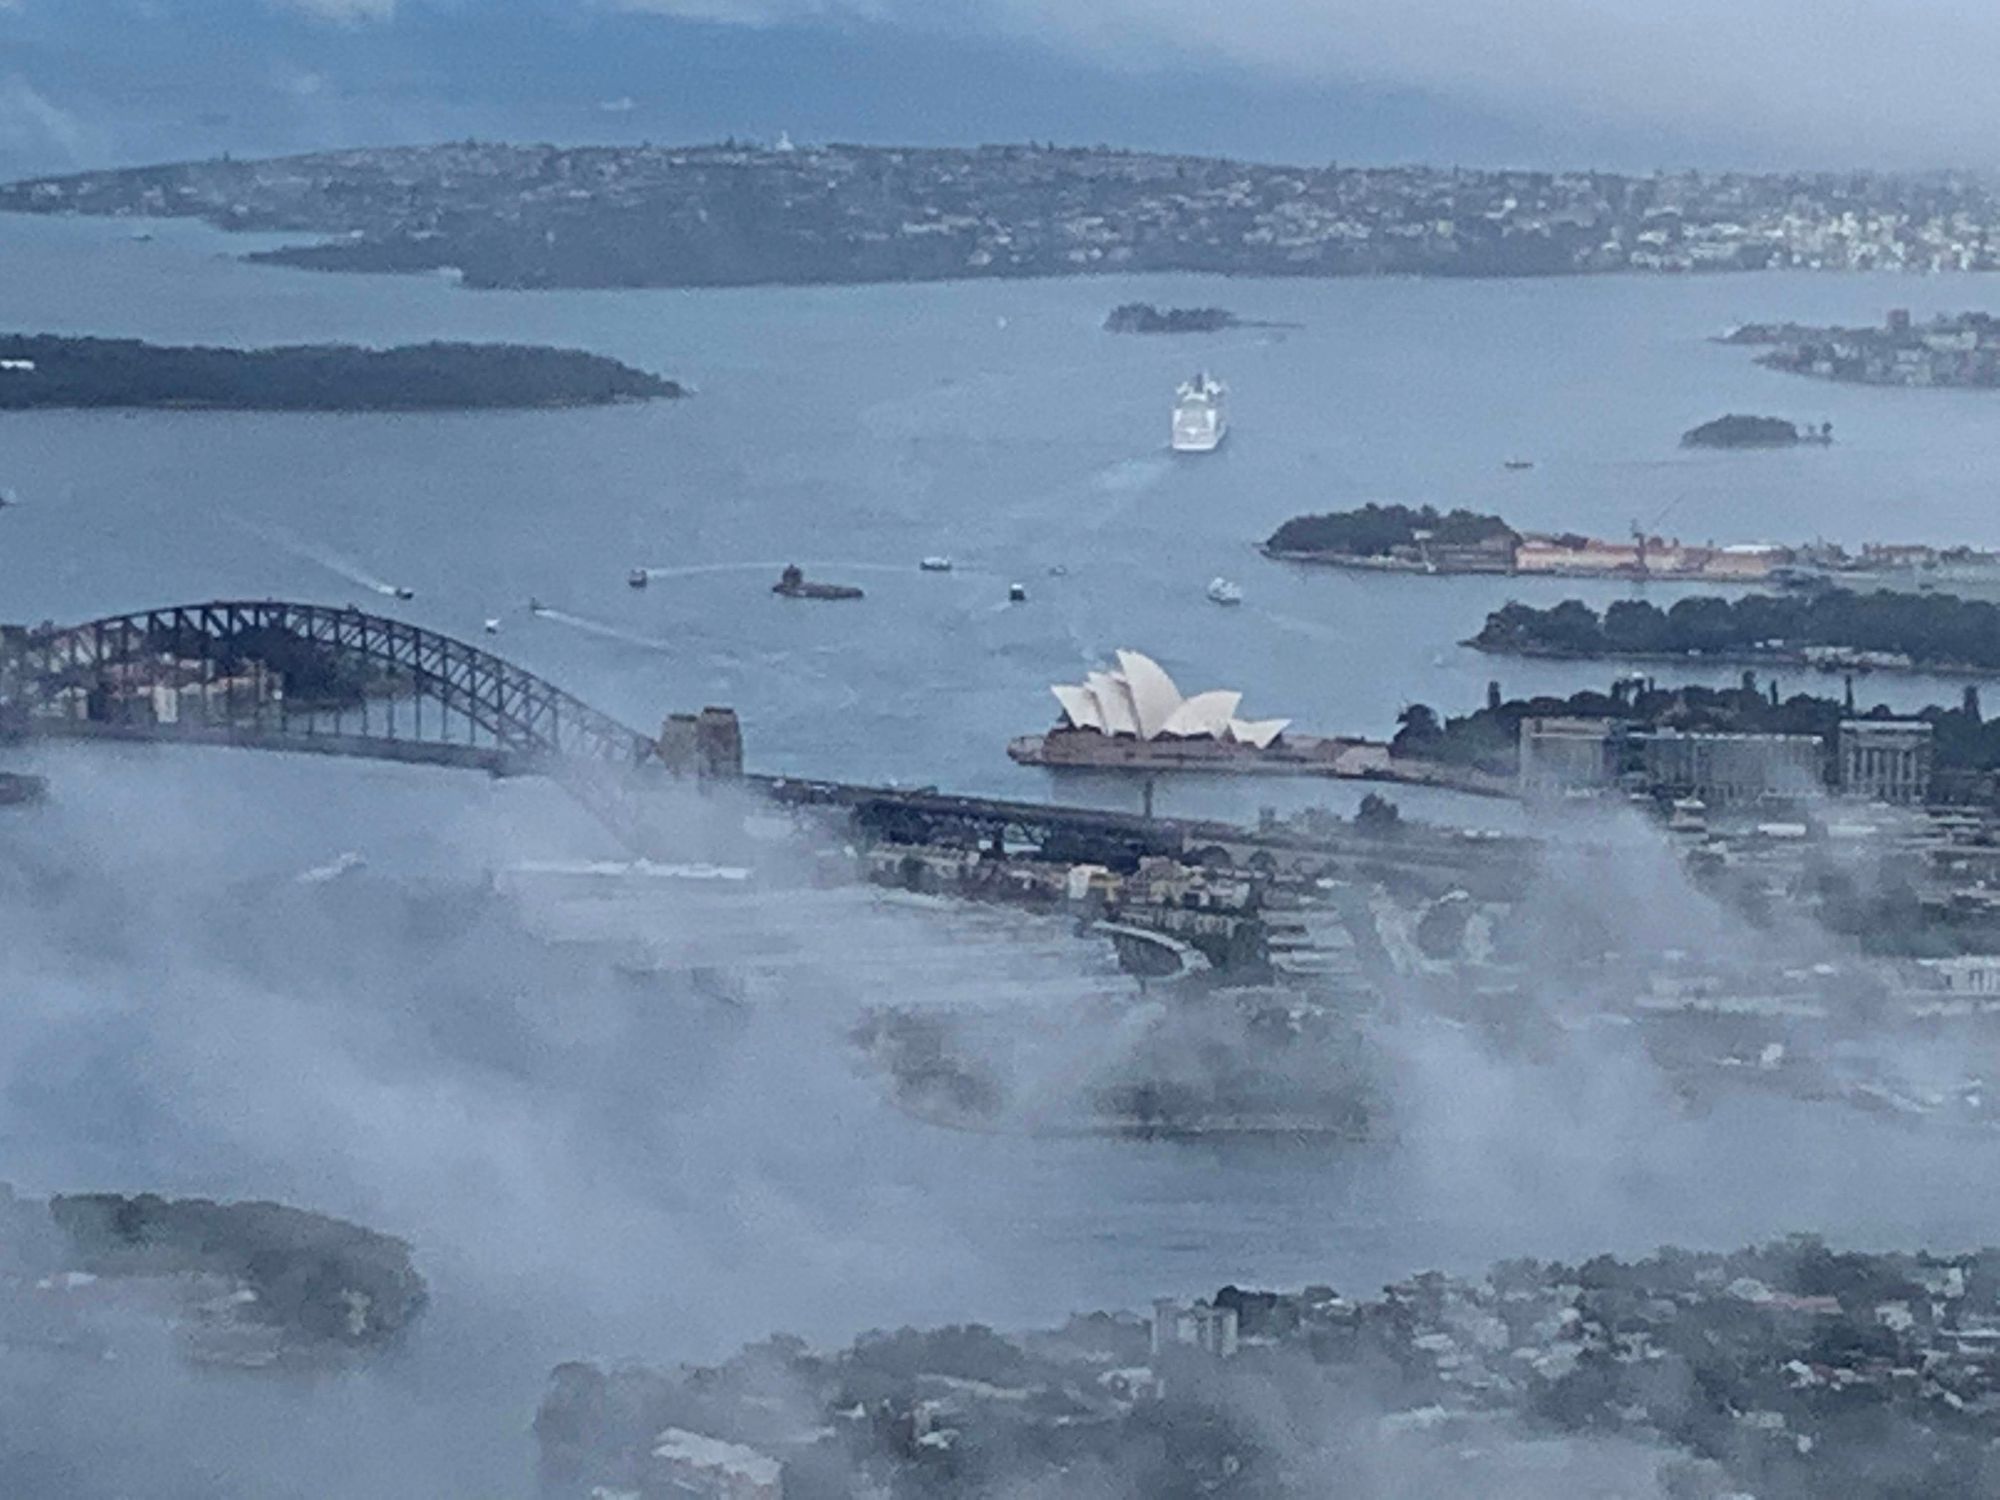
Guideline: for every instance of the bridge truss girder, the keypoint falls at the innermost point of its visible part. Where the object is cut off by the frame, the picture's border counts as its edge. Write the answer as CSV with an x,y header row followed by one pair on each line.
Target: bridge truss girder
x,y
108,670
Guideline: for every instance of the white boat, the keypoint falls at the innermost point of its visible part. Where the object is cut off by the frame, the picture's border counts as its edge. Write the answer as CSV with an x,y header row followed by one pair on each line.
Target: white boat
x,y
1222,591
1201,415
936,565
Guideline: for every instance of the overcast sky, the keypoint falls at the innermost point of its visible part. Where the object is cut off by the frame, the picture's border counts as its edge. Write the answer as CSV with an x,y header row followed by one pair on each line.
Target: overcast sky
x,y
1631,84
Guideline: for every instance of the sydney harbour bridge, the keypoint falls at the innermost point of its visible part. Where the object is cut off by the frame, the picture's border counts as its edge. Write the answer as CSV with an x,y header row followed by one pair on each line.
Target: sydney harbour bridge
x,y
275,675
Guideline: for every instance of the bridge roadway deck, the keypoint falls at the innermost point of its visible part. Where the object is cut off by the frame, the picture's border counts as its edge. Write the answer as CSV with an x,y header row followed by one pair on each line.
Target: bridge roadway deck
x,y
917,807
1412,848
488,758
916,814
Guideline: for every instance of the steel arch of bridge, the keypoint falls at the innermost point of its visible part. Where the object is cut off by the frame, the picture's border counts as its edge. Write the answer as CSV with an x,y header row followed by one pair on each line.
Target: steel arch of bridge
x,y
103,674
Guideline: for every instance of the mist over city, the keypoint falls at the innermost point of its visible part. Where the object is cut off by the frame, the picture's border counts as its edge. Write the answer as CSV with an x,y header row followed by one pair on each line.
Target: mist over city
x,y
825,751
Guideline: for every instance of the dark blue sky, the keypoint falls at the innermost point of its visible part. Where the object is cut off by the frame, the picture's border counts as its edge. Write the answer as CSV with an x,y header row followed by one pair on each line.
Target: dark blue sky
x,y
90,82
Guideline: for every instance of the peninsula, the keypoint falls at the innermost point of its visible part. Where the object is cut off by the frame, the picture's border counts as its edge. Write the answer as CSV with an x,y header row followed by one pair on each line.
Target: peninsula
x,y
1834,629
1133,718
731,214
1421,539
1954,349
1424,540
45,370
1791,1370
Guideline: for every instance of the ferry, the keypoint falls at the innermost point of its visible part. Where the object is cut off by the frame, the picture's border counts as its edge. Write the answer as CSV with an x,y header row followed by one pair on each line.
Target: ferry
x,y
1201,415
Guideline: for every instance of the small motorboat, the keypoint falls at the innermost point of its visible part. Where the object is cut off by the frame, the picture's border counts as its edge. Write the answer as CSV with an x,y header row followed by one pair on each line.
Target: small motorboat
x,y
492,625
1017,593
1057,570
936,565
535,606
638,578
1519,463
1222,591
401,592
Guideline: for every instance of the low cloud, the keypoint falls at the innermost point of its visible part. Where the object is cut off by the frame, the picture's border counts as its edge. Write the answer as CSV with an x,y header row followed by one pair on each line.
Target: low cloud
x,y
32,125
776,12
1867,78
345,12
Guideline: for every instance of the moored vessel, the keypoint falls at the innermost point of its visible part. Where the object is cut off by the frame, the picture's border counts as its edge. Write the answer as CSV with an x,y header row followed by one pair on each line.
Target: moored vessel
x,y
1201,416
793,584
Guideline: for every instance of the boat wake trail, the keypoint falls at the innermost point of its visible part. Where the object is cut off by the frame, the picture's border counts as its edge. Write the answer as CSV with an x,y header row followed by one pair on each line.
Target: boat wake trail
x,y
320,556
604,630
1130,475
1121,485
1313,628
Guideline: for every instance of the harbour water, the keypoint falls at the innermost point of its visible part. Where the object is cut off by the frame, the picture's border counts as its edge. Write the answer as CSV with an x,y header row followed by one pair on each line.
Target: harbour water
x,y
856,431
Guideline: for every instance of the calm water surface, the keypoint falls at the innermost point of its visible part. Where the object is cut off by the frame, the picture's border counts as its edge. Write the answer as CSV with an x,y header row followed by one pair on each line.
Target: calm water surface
x,y
858,430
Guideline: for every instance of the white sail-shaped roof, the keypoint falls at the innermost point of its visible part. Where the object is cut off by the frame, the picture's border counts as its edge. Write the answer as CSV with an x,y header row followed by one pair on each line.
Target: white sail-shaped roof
x,y
1205,715
1154,696
1257,732
1079,705
1114,703
1140,700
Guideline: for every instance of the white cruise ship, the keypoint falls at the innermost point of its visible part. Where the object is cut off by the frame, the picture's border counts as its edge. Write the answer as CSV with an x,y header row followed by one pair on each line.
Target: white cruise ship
x,y
1201,417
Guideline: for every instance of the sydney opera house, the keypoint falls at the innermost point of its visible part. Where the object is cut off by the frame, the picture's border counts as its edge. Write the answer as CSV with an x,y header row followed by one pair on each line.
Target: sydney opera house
x,y
1134,718
1139,701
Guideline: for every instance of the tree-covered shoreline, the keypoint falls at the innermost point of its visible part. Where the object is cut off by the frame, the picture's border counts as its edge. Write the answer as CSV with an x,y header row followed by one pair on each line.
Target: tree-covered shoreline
x,y
1739,431
1882,630
42,371
1144,317
1379,531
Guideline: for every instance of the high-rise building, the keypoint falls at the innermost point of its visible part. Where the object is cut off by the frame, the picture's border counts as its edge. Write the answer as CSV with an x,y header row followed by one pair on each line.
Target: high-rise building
x,y
1566,755
1728,769
1886,760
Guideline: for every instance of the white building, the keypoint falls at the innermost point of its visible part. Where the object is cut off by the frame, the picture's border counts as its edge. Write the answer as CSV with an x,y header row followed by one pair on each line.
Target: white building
x,y
1140,701
694,1464
1200,1324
